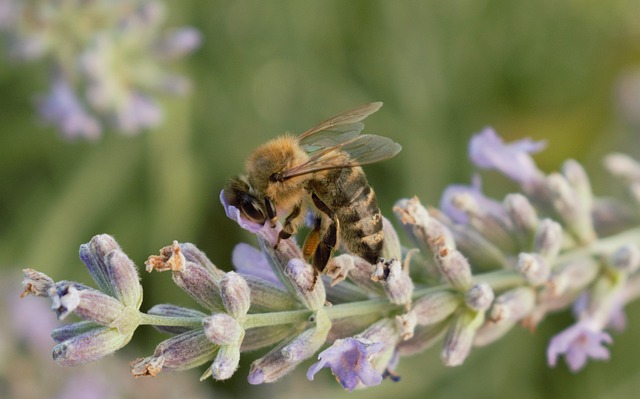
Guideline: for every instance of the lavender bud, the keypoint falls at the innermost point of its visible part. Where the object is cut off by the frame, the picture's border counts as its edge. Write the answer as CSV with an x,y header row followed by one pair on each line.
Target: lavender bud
x,y
123,277
491,331
170,310
573,276
222,329
548,239
513,305
479,297
436,307
453,266
357,269
406,323
533,268
396,281
93,255
280,360
265,296
200,284
309,342
184,351
192,254
566,202
523,216
423,338
391,245
459,338
579,181
626,258
236,295
305,284
226,362
495,227
421,227
89,346
623,166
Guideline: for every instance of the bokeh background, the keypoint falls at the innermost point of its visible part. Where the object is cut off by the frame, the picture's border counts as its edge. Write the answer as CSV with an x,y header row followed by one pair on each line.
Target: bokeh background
x,y
565,72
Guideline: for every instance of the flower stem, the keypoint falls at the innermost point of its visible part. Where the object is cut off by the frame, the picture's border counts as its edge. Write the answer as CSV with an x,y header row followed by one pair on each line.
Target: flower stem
x,y
169,321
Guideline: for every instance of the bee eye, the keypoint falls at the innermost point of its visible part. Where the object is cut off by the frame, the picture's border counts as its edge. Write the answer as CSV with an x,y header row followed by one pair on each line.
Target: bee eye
x,y
252,212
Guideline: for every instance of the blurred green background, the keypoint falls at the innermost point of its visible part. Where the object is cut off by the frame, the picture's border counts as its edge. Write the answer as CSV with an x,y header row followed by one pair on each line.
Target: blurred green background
x,y
548,70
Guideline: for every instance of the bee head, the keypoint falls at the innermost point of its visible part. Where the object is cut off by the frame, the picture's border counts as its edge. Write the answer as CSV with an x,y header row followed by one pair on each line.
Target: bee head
x,y
239,194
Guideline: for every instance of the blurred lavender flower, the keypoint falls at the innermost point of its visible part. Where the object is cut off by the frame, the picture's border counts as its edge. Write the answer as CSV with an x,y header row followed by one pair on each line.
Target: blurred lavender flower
x,y
488,265
107,60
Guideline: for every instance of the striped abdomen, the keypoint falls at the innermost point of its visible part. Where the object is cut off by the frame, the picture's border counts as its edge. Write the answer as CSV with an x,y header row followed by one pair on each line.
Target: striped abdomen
x,y
347,193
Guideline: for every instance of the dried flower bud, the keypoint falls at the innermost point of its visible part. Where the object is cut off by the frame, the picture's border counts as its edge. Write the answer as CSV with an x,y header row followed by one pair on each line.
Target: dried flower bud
x,y
304,281
523,216
513,305
89,347
396,281
453,266
200,284
183,352
479,297
533,268
548,239
36,283
406,324
421,227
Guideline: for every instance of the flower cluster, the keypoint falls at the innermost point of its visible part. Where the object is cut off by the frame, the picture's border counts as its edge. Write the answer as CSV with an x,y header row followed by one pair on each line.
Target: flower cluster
x,y
106,60
487,265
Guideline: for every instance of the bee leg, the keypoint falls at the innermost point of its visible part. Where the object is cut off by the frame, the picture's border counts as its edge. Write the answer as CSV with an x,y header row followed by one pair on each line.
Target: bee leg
x,y
313,239
329,238
289,227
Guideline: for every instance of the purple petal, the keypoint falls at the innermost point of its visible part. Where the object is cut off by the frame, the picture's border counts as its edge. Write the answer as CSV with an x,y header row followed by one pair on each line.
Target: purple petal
x,y
488,151
138,113
178,43
61,107
578,343
250,261
475,191
349,361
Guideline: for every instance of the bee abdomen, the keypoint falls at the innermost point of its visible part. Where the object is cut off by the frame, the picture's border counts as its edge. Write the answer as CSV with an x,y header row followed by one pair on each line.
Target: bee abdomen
x,y
361,224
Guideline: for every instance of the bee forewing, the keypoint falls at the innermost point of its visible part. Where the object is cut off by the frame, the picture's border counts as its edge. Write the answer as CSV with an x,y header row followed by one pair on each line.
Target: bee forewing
x,y
340,124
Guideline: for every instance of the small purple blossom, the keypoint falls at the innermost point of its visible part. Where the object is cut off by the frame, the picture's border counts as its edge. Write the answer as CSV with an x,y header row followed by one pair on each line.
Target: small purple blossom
x,y
578,343
452,194
250,261
62,108
350,361
488,151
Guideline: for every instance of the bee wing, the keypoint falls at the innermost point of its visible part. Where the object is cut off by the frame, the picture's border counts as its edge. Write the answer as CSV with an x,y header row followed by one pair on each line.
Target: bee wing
x,y
349,122
345,151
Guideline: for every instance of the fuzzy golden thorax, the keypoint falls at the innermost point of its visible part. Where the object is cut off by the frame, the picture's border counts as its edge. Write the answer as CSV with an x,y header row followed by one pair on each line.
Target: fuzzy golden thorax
x,y
277,156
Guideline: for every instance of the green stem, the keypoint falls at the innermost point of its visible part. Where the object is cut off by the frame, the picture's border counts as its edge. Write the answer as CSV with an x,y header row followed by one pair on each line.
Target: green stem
x,y
169,321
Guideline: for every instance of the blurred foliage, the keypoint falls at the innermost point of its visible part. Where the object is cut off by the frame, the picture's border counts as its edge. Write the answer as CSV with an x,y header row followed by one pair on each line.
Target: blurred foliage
x,y
444,70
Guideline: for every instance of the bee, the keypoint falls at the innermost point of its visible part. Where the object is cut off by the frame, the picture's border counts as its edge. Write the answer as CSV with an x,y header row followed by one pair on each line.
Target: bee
x,y
318,170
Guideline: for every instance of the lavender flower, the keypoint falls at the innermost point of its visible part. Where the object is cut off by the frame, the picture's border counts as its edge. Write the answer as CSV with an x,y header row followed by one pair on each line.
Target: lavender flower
x,y
91,90
488,151
578,343
487,266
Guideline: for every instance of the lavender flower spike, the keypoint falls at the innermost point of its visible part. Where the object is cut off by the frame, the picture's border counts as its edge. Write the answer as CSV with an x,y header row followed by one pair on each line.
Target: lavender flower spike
x,y
488,151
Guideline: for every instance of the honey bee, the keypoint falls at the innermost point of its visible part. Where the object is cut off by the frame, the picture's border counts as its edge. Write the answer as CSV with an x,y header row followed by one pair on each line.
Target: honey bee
x,y
318,170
